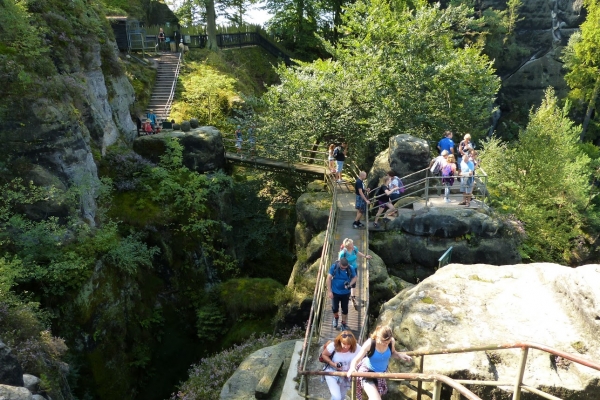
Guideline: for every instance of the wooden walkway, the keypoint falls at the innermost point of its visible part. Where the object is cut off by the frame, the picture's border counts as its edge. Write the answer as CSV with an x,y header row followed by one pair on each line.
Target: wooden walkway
x,y
272,164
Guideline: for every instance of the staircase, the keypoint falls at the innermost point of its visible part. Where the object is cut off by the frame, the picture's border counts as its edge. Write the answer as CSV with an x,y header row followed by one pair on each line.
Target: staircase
x,y
164,85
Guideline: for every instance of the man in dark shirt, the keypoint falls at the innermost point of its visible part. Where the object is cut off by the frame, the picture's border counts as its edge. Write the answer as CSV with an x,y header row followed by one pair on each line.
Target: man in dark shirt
x,y
340,155
361,199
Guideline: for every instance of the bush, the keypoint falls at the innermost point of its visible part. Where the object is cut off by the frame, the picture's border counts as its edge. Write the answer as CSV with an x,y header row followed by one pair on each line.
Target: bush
x,y
210,374
185,126
176,127
194,123
253,295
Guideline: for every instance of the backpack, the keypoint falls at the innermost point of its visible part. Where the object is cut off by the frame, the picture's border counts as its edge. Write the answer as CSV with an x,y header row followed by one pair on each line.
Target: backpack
x,y
372,349
436,166
447,171
321,359
337,268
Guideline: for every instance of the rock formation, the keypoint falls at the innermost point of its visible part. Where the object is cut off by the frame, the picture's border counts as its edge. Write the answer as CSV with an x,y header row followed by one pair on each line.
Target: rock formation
x,y
202,148
10,369
406,154
478,305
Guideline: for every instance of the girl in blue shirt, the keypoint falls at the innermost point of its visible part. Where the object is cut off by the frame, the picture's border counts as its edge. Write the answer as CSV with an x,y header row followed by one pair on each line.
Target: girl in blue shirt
x,y
377,362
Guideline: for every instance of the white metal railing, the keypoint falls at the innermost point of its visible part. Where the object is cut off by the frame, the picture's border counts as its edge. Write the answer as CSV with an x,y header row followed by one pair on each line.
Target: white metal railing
x,y
169,103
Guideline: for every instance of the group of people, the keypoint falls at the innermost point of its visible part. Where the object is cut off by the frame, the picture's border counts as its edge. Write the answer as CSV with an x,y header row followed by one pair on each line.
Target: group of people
x,y
239,140
344,354
149,125
336,155
459,162
384,196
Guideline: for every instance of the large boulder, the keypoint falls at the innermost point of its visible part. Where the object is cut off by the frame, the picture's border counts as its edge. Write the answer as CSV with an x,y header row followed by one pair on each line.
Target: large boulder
x,y
10,369
14,393
242,384
477,305
202,148
31,383
406,154
312,210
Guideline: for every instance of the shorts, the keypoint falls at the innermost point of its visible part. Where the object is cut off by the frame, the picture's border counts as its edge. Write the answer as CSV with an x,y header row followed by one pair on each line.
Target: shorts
x,y
466,185
340,165
394,196
238,144
361,204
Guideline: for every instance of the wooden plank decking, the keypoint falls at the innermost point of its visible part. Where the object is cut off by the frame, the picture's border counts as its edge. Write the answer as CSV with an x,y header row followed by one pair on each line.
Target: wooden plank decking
x,y
270,163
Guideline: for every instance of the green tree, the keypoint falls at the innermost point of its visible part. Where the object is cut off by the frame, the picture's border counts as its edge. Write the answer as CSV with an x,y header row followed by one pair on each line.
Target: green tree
x,y
582,59
550,197
398,71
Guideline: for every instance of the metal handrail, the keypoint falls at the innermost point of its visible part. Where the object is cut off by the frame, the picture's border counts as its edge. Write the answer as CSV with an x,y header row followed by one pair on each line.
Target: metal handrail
x,y
292,152
457,384
169,103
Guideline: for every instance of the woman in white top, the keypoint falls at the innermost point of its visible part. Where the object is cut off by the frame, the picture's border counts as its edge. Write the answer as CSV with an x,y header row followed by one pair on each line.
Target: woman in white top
x,y
344,348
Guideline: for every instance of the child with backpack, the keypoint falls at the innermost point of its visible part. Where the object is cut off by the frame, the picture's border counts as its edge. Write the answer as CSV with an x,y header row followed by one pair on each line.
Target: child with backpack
x,y
337,355
374,356
448,173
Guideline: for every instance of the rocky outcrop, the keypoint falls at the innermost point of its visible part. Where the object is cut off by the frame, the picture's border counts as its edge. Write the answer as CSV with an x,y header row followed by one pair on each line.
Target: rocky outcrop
x,y
202,148
478,305
14,393
54,144
416,240
10,369
406,154
244,381
31,383
312,210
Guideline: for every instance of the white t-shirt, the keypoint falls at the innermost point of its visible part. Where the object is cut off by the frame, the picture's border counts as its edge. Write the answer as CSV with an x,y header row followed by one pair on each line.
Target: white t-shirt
x,y
344,358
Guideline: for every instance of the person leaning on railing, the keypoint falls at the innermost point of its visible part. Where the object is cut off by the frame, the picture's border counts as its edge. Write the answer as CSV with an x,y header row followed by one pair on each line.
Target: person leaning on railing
x,y
338,354
378,361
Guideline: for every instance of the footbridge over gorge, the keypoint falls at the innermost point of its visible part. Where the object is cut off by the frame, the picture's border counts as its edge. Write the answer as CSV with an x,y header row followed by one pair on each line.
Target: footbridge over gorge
x,y
303,378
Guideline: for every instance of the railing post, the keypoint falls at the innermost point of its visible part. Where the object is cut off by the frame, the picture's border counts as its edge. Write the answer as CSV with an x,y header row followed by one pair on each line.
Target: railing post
x,y
519,381
437,390
420,383
353,389
426,188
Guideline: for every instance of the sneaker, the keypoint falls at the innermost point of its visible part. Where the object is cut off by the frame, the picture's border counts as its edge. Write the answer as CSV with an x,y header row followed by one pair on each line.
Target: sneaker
x,y
375,224
344,327
360,225
448,200
356,225
335,323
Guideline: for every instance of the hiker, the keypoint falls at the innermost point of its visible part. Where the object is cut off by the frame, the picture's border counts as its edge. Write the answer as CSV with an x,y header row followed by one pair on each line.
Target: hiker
x,y
361,199
448,173
152,117
395,185
383,201
446,143
351,253
338,354
148,128
435,167
331,159
339,153
339,280
464,147
161,39
374,356
238,140
467,173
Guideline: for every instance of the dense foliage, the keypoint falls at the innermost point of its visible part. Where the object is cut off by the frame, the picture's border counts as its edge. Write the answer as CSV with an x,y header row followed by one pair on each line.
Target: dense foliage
x,y
544,180
399,71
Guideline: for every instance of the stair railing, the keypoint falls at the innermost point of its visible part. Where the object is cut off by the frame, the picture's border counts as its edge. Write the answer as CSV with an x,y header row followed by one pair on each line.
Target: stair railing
x,y
169,103
458,385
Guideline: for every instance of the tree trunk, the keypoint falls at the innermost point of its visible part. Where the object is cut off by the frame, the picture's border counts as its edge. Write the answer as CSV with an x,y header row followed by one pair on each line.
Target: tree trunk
x,y
590,109
211,26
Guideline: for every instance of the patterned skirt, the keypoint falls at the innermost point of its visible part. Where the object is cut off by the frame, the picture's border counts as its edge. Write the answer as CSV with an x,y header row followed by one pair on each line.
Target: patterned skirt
x,y
381,383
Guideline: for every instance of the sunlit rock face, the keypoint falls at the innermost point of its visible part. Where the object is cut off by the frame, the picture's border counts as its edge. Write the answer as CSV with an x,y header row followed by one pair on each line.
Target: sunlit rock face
x,y
477,305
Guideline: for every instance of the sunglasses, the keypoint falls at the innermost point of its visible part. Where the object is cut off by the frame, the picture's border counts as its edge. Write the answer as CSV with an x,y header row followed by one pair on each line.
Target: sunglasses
x,y
346,335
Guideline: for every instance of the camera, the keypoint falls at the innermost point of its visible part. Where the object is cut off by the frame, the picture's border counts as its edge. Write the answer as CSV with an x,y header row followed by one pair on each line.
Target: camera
x,y
347,285
338,365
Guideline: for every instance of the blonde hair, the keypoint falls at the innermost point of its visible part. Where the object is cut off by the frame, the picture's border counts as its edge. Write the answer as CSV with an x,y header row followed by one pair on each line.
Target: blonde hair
x,y
382,332
349,339
467,136
451,158
331,146
347,242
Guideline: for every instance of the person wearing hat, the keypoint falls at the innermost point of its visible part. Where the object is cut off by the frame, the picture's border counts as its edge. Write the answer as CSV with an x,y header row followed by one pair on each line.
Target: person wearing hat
x,y
152,117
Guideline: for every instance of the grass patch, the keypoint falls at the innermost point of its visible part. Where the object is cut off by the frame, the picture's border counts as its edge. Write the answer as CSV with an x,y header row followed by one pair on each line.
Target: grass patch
x,y
427,300
478,278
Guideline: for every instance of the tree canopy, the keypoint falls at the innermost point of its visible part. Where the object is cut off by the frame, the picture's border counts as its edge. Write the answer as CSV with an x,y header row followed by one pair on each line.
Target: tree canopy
x,y
396,71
